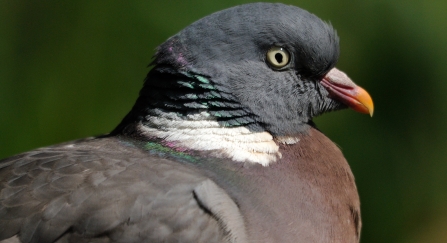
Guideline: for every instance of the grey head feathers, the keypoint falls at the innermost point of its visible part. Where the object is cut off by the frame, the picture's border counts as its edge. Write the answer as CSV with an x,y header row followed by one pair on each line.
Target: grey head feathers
x,y
218,64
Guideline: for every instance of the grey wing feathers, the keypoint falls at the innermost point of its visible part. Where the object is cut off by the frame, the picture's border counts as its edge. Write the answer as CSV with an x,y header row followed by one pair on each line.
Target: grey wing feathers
x,y
223,208
103,191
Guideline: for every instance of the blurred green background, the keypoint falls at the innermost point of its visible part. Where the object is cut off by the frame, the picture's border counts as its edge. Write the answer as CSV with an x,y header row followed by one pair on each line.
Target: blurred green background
x,y
71,69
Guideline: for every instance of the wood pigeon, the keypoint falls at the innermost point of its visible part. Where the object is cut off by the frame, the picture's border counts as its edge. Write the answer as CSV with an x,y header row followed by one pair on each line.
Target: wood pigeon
x,y
219,147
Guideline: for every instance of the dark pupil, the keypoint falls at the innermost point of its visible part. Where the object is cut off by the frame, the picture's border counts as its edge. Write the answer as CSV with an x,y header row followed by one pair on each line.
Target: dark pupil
x,y
278,57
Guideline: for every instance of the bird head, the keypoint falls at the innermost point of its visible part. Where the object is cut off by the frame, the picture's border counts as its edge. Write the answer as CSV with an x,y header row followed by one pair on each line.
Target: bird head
x,y
277,62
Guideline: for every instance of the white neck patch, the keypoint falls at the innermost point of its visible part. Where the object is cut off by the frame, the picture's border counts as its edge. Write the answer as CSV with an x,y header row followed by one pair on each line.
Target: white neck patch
x,y
200,133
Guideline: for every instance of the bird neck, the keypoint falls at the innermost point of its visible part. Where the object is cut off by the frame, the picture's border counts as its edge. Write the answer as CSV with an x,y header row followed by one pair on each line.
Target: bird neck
x,y
187,112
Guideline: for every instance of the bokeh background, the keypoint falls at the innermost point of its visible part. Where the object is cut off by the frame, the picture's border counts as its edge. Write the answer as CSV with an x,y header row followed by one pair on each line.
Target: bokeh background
x,y
71,69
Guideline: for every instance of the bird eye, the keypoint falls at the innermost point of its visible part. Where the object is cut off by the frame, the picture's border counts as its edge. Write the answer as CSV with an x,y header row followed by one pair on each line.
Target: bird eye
x,y
278,57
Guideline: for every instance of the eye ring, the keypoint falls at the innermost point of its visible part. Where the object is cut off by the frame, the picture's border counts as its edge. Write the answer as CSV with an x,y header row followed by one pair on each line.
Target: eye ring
x,y
278,57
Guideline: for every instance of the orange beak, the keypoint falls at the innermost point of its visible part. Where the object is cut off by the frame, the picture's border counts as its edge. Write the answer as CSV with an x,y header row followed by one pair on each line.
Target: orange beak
x,y
341,88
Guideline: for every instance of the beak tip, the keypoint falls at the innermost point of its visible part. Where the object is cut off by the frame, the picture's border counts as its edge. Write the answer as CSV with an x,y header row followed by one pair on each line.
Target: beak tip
x,y
365,99
369,107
